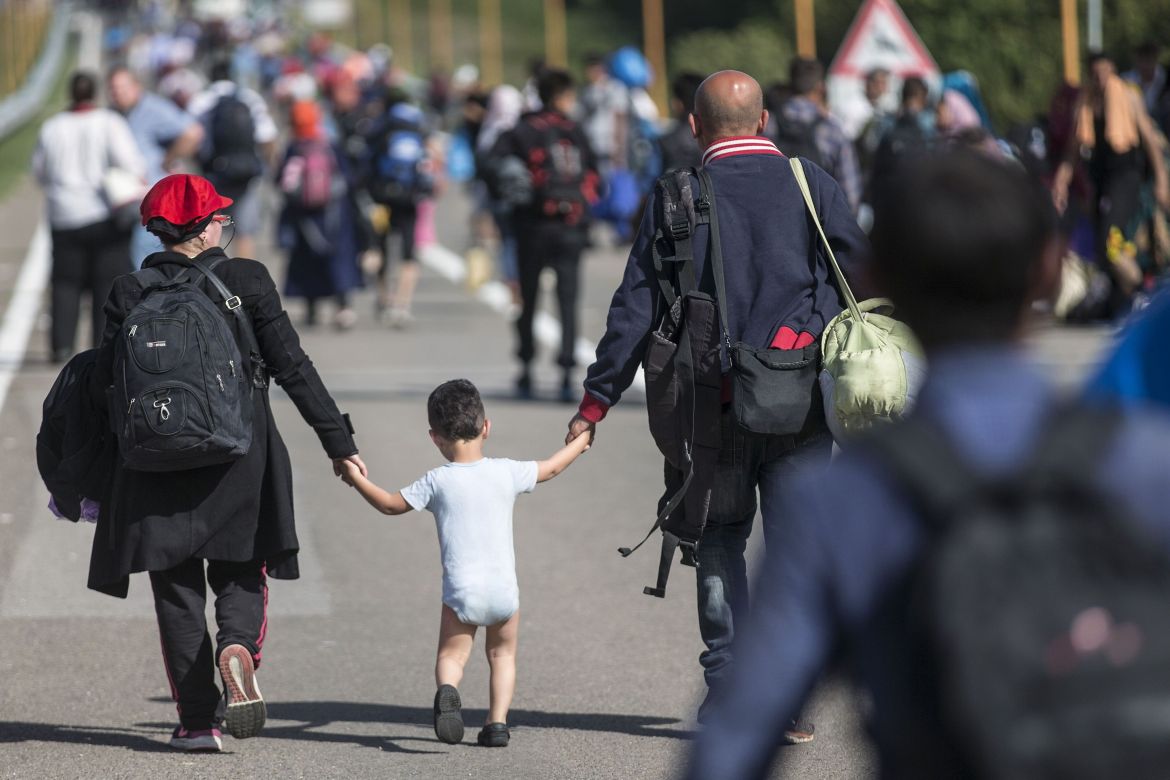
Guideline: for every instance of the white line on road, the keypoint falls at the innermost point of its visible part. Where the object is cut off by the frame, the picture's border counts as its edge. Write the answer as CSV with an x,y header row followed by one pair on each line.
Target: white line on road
x,y
23,308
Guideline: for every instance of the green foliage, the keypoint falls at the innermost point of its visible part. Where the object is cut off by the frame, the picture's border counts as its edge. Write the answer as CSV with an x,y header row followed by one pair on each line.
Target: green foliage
x,y
755,47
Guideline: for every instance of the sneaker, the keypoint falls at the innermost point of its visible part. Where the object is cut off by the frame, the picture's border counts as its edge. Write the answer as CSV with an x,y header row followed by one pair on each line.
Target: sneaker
x,y
799,733
205,741
400,319
448,715
345,319
494,735
246,712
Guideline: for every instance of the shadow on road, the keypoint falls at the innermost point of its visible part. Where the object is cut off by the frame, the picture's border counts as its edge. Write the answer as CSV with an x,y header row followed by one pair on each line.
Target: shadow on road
x,y
145,742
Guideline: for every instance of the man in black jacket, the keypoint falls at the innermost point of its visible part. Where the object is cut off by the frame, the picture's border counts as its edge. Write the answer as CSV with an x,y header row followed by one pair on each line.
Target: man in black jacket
x,y
778,295
553,228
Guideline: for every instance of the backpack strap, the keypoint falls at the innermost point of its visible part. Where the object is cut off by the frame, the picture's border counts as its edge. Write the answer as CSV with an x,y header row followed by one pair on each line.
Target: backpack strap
x,y
676,272
716,254
232,302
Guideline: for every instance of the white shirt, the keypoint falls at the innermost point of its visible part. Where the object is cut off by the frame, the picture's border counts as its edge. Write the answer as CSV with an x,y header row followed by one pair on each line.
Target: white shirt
x,y
472,504
74,151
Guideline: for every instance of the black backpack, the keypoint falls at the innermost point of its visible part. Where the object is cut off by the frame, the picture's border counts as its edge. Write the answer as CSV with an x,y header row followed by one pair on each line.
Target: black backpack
x,y
683,377
557,168
230,154
1041,608
796,138
181,399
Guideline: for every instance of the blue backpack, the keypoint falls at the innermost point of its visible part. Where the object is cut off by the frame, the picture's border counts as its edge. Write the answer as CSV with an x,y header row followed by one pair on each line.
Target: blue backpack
x,y
403,171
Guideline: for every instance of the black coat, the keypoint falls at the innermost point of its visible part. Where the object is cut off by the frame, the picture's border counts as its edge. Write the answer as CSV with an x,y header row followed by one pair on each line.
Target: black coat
x,y
239,511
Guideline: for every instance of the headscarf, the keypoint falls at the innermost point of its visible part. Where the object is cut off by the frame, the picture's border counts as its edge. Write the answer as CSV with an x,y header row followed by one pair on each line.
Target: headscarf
x,y
503,111
961,114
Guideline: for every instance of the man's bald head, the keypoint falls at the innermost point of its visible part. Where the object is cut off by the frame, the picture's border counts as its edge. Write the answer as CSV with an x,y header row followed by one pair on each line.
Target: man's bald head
x,y
728,103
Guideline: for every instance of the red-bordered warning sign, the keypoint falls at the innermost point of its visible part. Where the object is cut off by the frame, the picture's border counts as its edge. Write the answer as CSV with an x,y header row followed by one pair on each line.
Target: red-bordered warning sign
x,y
881,37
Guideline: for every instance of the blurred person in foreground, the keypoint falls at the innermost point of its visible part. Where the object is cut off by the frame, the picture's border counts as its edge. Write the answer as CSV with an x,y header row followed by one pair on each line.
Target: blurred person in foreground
x,y
679,147
165,134
964,252
76,151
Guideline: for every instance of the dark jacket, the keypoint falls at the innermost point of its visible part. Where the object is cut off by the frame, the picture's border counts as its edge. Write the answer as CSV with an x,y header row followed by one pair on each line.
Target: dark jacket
x,y
776,274
238,511
529,141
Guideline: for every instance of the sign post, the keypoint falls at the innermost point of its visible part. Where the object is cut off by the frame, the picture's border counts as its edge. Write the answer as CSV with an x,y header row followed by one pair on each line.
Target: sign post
x,y
442,51
556,47
1072,46
403,37
654,42
491,46
806,29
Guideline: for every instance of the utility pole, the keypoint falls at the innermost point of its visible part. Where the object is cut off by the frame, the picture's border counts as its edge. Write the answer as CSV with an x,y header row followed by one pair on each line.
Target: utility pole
x,y
654,42
1096,38
806,29
1072,44
442,43
556,47
491,44
402,35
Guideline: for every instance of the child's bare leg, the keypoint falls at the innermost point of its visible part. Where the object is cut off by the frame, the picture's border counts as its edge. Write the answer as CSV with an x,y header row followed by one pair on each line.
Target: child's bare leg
x,y
501,654
455,641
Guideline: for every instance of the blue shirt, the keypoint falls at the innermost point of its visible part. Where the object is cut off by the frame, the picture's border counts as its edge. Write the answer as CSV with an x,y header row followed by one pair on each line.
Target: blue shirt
x,y
155,123
837,152
1137,371
838,578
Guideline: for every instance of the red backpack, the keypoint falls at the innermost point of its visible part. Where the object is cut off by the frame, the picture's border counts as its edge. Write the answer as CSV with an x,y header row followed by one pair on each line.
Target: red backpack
x,y
308,176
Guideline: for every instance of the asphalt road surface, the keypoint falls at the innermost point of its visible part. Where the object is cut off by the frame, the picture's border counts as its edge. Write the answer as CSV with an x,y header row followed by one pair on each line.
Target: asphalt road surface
x,y
608,678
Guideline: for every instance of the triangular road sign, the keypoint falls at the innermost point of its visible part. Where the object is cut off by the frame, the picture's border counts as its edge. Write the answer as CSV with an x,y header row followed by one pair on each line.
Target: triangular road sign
x,y
881,37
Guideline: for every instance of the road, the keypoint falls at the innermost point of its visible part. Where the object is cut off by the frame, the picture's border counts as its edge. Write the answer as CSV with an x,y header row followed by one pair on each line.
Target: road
x,y
608,678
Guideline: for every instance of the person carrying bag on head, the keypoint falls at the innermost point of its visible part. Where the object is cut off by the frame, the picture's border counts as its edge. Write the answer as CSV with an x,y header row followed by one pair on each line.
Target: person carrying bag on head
x,y
746,236
201,490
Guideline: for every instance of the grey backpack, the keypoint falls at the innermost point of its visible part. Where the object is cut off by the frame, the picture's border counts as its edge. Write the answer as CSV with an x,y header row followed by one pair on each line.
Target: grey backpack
x,y
180,398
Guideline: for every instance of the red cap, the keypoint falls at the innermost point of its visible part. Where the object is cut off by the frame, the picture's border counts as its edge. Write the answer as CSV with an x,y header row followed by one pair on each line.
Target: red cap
x,y
182,199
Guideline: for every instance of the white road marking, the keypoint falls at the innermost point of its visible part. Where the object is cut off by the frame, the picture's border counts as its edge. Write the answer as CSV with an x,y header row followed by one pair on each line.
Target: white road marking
x,y
23,308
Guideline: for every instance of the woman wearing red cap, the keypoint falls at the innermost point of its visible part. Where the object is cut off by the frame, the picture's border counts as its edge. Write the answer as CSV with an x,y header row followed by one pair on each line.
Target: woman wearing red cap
x,y
237,517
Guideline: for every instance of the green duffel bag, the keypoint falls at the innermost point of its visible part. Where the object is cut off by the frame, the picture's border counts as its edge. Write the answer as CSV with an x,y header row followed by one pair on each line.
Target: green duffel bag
x,y
872,364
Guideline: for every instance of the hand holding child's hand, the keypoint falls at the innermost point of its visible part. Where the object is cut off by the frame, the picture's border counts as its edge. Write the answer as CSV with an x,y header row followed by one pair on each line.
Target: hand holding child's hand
x,y
578,426
349,472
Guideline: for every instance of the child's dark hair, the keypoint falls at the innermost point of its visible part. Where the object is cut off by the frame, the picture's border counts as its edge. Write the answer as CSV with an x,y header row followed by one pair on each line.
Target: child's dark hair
x,y
455,410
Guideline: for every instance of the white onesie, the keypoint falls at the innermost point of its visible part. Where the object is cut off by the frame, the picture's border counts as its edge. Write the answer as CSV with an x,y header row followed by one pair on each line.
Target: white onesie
x,y
472,504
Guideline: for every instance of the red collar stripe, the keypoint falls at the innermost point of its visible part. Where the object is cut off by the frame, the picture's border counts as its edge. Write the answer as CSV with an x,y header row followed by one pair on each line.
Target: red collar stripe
x,y
733,147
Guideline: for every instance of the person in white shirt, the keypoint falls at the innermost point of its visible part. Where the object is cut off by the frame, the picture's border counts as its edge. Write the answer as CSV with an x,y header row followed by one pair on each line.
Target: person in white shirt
x,y
471,498
75,154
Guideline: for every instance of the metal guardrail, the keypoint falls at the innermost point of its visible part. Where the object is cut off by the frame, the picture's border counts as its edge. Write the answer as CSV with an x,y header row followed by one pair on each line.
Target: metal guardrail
x,y
26,102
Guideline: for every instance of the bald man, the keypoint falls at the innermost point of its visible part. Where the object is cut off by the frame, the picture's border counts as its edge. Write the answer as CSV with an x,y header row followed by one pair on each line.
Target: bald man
x,y
778,295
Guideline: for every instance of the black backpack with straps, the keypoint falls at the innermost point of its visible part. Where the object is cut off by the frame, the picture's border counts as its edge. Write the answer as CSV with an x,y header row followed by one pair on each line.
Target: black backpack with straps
x,y
683,377
1040,610
180,398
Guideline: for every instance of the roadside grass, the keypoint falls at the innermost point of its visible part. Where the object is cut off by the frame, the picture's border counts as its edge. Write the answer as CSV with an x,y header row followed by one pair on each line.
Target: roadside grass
x,y
16,150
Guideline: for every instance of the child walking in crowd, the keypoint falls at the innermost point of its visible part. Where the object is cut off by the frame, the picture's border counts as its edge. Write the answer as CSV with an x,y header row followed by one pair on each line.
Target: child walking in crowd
x,y
471,498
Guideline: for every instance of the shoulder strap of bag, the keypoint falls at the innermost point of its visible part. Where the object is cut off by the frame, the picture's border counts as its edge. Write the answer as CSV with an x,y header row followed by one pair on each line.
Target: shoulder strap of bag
x,y
842,284
231,301
676,228
716,254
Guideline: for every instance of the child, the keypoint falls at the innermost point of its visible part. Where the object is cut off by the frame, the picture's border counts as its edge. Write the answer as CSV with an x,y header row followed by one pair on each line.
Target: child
x,y
471,498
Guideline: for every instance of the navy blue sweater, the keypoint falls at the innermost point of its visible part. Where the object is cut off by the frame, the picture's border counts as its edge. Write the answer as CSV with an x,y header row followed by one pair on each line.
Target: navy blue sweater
x,y
776,273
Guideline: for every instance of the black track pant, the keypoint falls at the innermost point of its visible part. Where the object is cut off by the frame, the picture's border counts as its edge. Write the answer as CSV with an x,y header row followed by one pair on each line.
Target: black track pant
x,y
85,260
560,249
241,606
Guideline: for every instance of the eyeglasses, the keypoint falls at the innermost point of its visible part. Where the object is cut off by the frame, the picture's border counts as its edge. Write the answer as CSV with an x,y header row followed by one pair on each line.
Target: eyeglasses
x,y
224,220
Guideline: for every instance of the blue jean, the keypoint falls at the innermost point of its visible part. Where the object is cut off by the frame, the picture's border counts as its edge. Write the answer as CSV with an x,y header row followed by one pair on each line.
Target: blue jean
x,y
747,463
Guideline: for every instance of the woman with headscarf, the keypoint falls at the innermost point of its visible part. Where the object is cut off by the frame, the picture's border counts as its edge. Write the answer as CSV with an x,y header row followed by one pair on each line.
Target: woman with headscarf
x,y
228,525
318,224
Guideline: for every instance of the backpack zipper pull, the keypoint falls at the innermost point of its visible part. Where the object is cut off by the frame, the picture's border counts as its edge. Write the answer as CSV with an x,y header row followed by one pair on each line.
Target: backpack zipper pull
x,y
232,367
219,379
133,328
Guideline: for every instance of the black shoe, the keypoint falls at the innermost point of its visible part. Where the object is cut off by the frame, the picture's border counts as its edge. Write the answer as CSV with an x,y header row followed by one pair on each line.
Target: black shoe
x,y
524,387
448,715
494,735
568,392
